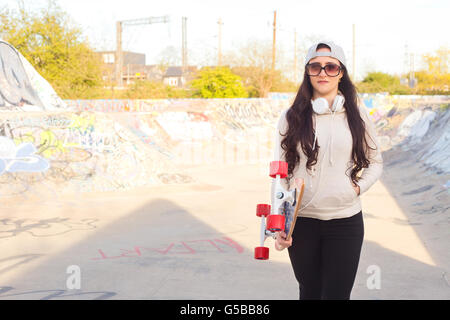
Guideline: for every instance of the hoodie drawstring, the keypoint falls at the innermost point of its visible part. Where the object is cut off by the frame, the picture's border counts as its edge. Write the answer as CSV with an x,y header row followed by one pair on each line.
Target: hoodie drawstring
x,y
330,142
331,139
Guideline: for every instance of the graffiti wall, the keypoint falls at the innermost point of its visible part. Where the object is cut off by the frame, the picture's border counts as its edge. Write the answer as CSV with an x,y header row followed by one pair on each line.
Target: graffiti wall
x,y
89,150
72,152
417,123
195,131
102,145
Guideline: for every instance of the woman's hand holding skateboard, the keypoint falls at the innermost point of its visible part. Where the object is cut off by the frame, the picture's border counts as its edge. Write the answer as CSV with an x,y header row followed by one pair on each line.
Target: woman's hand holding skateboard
x,y
281,243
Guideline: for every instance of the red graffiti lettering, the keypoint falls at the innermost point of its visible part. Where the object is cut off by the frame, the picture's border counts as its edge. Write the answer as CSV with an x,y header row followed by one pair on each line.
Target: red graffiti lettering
x,y
230,242
181,248
104,256
210,242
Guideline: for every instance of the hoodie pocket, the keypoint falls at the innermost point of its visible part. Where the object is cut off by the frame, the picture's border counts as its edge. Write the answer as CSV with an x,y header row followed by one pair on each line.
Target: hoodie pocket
x,y
335,197
352,191
347,195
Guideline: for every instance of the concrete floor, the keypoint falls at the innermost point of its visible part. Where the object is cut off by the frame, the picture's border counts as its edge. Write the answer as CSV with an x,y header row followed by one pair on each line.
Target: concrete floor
x,y
196,241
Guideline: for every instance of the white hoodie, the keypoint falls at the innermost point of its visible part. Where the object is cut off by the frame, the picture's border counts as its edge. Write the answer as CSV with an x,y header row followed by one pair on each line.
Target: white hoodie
x,y
330,189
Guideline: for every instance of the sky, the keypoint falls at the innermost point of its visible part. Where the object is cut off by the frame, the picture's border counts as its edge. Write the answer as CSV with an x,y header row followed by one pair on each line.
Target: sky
x,y
386,31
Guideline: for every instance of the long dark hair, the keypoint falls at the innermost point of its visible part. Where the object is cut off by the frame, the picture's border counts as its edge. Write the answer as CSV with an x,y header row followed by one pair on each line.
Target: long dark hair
x,y
300,128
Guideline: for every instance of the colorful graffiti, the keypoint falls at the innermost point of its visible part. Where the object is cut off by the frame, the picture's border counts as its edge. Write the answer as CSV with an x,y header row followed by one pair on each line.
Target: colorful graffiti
x,y
22,158
83,152
419,123
21,87
15,86
87,151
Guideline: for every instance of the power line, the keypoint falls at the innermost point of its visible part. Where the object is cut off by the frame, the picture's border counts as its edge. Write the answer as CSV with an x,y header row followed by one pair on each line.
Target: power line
x,y
274,40
184,44
119,51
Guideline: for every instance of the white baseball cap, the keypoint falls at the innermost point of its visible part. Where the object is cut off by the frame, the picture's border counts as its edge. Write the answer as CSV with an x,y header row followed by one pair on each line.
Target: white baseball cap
x,y
336,52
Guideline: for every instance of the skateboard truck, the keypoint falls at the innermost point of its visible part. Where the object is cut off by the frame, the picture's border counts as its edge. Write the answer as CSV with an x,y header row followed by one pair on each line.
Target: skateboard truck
x,y
272,217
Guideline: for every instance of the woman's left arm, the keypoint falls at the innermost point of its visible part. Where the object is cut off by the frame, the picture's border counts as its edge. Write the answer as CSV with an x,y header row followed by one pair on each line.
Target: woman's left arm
x,y
372,173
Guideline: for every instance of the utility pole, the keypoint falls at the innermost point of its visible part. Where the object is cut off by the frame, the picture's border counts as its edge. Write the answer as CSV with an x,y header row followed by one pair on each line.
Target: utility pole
x,y
119,54
412,80
119,29
219,62
184,44
354,53
406,60
295,56
274,40
404,77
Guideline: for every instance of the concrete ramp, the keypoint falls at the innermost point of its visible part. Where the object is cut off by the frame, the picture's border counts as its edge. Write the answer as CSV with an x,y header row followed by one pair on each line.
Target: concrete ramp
x,y
21,87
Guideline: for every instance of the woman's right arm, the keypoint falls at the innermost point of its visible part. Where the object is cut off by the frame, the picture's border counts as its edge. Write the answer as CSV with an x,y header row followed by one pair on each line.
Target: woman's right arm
x,y
278,152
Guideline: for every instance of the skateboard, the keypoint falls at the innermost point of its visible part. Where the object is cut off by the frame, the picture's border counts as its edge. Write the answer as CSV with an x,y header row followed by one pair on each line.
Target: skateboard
x,y
282,214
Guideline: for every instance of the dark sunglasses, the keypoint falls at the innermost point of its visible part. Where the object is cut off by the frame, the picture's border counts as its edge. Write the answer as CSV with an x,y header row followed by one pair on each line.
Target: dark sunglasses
x,y
331,69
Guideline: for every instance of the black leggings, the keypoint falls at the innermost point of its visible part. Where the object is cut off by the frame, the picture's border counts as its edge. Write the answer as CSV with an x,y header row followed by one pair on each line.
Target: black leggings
x,y
325,256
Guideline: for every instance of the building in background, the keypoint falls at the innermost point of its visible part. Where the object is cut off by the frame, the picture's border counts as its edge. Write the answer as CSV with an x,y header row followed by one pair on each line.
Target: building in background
x,y
134,68
175,77
109,57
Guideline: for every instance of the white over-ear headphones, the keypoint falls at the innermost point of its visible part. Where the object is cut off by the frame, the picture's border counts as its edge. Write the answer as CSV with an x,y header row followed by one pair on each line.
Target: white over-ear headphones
x,y
320,105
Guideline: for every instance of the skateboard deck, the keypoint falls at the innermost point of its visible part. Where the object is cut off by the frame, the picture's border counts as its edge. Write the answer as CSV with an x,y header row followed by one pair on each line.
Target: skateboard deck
x,y
290,211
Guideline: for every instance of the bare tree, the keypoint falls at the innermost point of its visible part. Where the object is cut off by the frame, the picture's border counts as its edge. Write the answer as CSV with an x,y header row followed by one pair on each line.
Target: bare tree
x,y
253,62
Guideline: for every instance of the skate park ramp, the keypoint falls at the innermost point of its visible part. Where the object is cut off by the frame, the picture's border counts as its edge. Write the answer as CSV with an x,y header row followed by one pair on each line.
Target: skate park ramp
x,y
22,87
155,199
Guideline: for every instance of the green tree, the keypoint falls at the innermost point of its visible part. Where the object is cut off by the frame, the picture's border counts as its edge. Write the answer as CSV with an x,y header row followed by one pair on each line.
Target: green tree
x,y
432,83
437,63
145,89
383,79
218,82
56,49
434,78
382,82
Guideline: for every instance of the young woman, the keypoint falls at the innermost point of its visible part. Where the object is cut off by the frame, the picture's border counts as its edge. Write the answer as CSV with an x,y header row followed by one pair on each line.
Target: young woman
x,y
327,138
